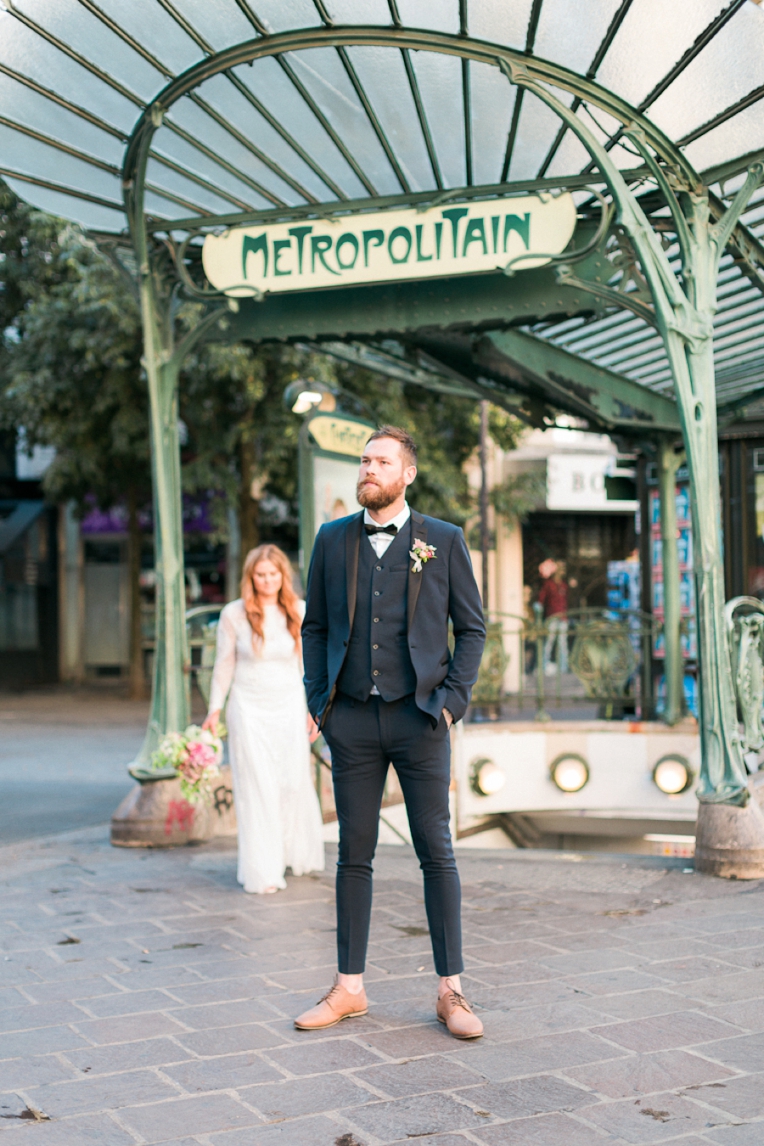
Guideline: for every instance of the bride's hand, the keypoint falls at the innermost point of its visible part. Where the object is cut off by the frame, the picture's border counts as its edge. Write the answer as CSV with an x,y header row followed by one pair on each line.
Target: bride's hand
x,y
211,721
313,732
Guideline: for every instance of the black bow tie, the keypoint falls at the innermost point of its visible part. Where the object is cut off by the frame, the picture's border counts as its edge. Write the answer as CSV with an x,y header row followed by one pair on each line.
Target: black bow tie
x,y
372,529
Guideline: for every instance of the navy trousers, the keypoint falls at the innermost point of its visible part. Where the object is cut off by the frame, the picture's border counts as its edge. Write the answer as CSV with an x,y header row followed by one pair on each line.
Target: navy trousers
x,y
365,738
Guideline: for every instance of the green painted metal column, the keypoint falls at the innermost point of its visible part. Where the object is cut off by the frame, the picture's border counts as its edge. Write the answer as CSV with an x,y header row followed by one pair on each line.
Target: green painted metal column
x,y
683,313
668,464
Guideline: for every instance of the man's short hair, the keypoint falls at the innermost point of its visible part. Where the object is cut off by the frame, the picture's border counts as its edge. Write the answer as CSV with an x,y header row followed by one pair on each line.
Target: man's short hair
x,y
407,443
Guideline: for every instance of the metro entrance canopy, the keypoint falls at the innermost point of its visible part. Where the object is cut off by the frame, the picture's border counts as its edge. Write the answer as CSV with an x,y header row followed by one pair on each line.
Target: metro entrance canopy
x,y
160,122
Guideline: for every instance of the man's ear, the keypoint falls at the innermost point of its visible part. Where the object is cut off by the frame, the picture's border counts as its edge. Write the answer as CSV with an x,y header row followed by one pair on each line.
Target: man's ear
x,y
409,474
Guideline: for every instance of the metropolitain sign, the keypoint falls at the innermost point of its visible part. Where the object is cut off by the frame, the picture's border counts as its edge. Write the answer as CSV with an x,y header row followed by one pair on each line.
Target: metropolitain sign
x,y
390,246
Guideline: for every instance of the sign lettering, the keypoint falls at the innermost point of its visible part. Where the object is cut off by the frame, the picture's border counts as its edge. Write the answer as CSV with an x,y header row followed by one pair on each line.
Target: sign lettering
x,y
389,246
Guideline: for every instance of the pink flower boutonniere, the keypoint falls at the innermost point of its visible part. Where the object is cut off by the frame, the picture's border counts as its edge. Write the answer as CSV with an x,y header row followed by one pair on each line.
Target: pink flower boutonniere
x,y
421,553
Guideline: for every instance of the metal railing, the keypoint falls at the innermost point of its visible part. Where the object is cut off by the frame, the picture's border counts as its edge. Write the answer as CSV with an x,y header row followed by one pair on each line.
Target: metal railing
x,y
594,658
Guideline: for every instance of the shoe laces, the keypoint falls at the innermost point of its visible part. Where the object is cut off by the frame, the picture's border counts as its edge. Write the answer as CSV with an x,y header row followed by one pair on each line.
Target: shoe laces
x,y
325,998
457,1000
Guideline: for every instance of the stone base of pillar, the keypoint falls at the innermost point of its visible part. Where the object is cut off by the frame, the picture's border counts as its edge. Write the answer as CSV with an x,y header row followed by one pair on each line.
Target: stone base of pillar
x,y
155,815
729,841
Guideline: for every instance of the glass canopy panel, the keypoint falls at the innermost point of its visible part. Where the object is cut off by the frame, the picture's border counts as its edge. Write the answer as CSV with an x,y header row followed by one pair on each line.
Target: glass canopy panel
x,y
351,12
276,92
27,53
493,98
652,38
200,125
163,178
150,25
570,33
439,78
167,143
384,80
322,73
30,108
90,215
738,136
500,22
282,15
160,207
69,22
571,156
221,23
440,15
536,132
221,95
725,71
30,157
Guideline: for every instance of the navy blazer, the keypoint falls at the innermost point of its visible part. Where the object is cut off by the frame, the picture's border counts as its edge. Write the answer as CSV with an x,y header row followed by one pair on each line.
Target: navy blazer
x,y
444,589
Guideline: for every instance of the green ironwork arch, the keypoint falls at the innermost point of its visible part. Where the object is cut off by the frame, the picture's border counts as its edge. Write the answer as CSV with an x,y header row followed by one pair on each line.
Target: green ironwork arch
x,y
683,313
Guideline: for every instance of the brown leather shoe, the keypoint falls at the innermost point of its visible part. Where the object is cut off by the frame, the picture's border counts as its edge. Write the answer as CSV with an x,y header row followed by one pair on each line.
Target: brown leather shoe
x,y
336,1005
454,1010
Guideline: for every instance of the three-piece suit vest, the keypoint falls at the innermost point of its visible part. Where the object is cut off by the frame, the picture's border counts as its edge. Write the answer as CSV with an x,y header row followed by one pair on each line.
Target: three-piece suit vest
x,y
378,651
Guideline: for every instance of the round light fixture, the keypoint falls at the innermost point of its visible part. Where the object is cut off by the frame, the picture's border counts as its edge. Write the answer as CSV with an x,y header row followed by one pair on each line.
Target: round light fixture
x,y
305,401
486,777
673,775
569,772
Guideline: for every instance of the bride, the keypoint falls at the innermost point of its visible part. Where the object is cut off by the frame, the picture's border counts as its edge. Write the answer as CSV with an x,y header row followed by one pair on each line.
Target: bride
x,y
259,659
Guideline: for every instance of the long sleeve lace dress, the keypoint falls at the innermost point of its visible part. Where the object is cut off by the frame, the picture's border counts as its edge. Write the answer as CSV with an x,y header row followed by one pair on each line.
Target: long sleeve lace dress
x,y
277,810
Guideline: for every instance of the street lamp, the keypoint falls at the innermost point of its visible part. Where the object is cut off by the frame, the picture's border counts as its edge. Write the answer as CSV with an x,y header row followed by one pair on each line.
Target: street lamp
x,y
303,396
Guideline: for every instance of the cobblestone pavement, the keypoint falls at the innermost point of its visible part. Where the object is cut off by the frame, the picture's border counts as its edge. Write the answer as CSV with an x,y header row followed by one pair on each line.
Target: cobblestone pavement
x,y
145,999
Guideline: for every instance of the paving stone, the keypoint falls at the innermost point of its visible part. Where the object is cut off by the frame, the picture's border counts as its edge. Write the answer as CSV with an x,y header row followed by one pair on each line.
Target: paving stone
x,y
513,952
320,1131
224,1014
321,1057
414,1117
749,1134
20,1073
647,1073
743,1053
220,991
750,957
129,1003
743,1097
614,982
599,959
407,1042
725,988
46,1039
502,1061
418,1076
230,1040
684,1028
89,1095
126,1056
207,1114
224,1073
128,1028
653,1119
636,1004
314,1095
538,1095
82,989
748,1014
98,1129
532,1021
545,1130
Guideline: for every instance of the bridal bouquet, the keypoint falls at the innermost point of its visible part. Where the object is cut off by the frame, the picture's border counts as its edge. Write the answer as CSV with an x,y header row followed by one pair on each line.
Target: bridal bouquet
x,y
195,755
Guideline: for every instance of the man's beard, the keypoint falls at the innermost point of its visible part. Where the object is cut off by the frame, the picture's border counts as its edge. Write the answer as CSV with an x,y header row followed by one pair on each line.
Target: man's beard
x,y
376,496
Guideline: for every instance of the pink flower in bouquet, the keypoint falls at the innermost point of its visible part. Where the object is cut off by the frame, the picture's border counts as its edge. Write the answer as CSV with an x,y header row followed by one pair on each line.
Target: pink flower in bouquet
x,y
199,757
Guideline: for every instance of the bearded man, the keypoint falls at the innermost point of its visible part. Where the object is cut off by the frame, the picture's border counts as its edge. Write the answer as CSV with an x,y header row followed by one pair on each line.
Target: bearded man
x,y
384,688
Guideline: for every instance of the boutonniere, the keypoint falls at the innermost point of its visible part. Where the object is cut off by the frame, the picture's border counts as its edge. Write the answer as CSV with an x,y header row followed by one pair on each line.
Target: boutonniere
x,y
421,554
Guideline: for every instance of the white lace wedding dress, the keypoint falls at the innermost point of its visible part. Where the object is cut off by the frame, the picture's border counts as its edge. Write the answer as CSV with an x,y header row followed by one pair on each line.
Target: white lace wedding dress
x,y
276,805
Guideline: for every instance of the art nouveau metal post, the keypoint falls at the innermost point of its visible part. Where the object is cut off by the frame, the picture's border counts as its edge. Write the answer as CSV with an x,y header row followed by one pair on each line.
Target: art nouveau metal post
x,y
683,315
668,464
162,359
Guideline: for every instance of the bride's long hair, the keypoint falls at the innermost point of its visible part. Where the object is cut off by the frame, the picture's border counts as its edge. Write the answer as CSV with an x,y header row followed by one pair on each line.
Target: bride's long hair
x,y
287,599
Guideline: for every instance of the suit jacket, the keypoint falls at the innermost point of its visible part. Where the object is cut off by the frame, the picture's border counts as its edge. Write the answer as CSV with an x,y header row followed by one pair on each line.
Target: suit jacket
x,y
445,588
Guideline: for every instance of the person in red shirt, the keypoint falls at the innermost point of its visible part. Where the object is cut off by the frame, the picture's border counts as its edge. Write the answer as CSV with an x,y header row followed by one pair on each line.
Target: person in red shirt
x,y
554,598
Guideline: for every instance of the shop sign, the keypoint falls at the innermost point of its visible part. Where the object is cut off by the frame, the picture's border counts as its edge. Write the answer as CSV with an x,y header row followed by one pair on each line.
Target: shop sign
x,y
390,246
340,435
577,481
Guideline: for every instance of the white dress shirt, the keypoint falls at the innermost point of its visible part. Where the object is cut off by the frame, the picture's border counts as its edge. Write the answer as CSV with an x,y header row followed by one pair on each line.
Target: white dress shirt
x,y
380,542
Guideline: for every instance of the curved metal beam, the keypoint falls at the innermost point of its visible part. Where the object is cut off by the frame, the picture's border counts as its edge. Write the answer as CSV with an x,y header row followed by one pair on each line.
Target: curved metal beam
x,y
542,71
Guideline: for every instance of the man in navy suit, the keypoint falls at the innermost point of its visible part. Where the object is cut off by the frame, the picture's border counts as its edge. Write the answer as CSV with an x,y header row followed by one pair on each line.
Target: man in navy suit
x,y
384,687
